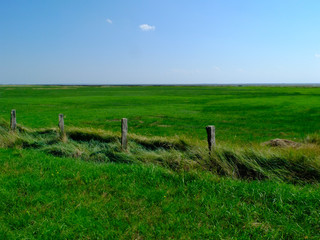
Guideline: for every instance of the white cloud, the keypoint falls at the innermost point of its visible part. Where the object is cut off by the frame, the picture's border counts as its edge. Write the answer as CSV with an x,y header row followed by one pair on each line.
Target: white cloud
x,y
109,20
147,27
317,55
216,68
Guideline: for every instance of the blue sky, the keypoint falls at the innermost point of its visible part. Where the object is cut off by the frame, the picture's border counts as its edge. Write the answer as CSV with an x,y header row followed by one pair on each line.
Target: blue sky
x,y
159,42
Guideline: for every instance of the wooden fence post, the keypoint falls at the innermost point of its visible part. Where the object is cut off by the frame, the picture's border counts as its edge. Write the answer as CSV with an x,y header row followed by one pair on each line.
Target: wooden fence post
x,y
211,134
13,120
124,133
61,124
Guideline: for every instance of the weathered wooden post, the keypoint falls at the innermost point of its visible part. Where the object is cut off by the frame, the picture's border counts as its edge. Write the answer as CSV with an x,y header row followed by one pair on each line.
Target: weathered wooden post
x,y
124,133
61,125
13,120
211,134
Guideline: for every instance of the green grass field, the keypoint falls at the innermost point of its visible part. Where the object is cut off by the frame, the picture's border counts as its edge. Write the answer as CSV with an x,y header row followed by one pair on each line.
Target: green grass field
x,y
239,113
166,186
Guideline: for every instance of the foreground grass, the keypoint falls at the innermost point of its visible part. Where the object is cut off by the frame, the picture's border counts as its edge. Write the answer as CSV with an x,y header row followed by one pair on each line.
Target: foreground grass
x,y
46,197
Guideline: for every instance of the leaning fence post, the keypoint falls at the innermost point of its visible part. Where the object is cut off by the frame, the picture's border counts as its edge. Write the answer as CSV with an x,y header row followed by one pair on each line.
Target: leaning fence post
x,y
211,132
13,120
61,124
124,133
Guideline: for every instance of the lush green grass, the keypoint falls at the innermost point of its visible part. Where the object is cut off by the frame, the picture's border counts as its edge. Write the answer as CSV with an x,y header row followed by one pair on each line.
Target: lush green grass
x,y
47,197
83,186
239,113
299,165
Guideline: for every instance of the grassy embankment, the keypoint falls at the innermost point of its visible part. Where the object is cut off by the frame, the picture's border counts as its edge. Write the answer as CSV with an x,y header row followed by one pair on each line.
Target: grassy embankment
x,y
51,188
299,164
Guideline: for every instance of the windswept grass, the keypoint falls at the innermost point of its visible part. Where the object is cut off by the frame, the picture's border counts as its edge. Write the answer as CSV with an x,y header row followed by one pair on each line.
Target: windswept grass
x,y
46,197
313,138
251,161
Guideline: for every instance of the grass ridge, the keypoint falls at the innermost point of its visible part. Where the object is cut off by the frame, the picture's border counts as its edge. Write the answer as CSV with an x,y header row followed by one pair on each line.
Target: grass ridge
x,y
252,161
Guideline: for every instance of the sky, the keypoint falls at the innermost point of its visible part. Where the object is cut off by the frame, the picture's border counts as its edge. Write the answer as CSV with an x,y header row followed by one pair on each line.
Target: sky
x,y
159,42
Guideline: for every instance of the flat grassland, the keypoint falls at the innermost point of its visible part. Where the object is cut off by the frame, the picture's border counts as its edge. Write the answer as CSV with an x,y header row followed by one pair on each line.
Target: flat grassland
x,y
239,113
166,186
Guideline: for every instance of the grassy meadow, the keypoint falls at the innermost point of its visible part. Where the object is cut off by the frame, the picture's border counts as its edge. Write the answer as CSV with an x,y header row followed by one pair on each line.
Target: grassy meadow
x,y
166,185
239,113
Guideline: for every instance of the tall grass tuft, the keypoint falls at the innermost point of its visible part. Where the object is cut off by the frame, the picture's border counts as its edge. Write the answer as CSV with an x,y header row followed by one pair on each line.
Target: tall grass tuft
x,y
297,165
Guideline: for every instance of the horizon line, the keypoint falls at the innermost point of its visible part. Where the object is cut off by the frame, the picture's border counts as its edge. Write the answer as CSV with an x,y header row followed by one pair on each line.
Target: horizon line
x,y
155,85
